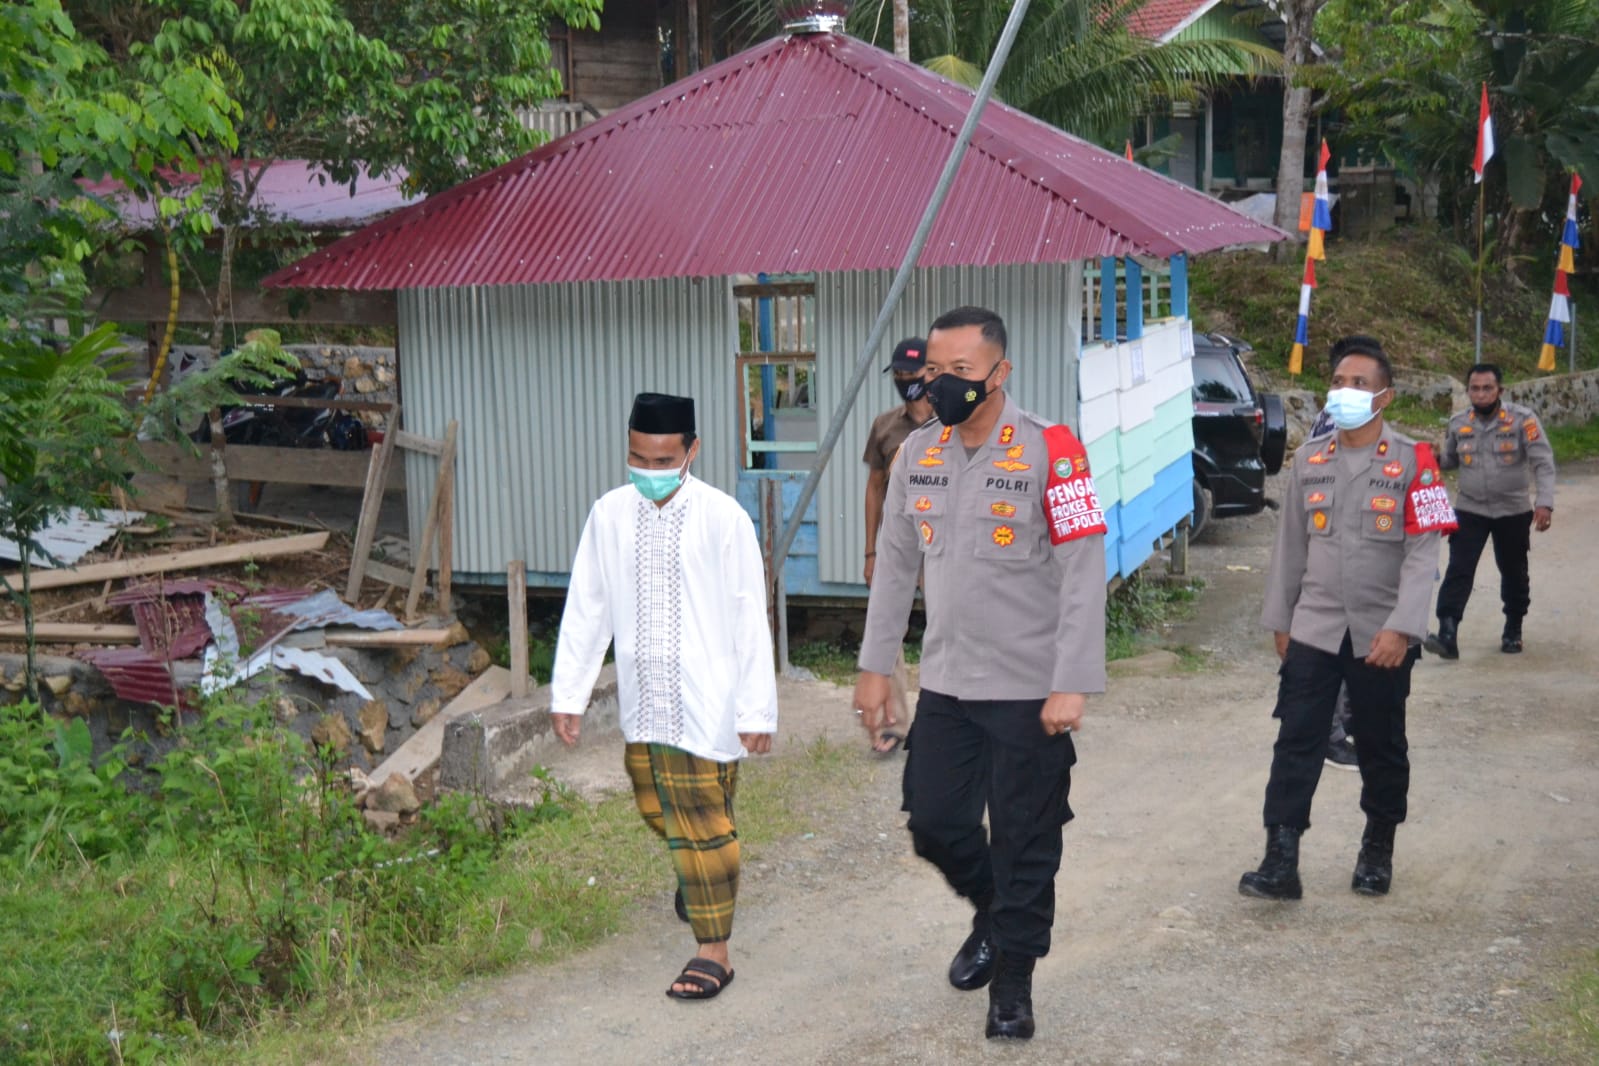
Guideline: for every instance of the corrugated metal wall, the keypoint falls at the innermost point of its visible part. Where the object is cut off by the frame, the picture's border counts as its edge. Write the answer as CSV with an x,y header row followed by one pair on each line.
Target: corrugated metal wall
x,y
1042,308
541,379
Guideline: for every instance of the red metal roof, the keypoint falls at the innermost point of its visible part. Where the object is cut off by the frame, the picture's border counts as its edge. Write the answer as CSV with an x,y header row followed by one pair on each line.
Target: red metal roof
x,y
807,153
1158,18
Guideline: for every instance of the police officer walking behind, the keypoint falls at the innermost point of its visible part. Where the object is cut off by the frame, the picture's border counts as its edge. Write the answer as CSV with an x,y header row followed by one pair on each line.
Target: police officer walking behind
x,y
1351,574
889,430
997,508
1493,444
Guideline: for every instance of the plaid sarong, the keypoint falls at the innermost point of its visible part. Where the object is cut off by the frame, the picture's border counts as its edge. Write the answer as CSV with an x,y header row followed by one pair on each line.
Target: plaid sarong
x,y
688,802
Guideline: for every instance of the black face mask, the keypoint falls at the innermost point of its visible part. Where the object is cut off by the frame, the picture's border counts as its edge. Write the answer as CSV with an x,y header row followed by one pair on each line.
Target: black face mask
x,y
1486,409
912,390
954,399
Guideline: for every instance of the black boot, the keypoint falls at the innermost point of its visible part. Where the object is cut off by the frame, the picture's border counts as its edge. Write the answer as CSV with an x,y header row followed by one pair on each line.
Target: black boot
x,y
1010,998
1278,876
973,965
1510,643
1444,643
1374,869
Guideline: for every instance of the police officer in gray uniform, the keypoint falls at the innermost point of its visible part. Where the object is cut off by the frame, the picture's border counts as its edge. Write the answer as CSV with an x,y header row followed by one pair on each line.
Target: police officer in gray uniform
x,y
1346,598
997,508
1494,444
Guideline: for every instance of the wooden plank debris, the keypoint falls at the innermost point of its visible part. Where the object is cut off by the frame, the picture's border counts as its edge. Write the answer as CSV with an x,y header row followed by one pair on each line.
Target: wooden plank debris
x,y
109,633
391,638
188,560
441,512
438,530
366,528
72,633
257,462
421,753
392,575
413,442
516,596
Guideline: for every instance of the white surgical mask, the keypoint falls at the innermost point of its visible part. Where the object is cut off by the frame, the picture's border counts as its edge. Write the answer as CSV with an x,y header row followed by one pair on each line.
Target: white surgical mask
x,y
1351,408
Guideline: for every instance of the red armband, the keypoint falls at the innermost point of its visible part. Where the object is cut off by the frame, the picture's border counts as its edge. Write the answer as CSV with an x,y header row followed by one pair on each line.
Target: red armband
x,y
1427,506
1070,501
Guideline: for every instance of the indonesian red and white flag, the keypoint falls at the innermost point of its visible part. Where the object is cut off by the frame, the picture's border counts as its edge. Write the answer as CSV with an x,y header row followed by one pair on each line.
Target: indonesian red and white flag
x,y
1485,136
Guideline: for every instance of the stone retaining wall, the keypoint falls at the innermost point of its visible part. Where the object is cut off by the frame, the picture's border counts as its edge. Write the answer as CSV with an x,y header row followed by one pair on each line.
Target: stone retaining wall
x,y
409,686
1560,399
367,373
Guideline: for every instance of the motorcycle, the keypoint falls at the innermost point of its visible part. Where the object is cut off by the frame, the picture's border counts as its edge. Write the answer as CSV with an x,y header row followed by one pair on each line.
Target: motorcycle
x,y
270,425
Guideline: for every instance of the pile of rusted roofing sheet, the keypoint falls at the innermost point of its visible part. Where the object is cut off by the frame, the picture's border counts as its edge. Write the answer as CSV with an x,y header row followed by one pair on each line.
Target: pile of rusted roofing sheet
x,y
207,634
180,620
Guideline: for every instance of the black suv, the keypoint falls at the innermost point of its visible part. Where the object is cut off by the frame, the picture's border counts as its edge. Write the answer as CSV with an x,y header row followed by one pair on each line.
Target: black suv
x,y
1240,435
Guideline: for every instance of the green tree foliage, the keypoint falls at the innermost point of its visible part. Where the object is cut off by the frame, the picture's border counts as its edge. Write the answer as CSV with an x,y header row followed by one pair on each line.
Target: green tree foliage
x,y
1075,63
365,86
1408,79
69,432
66,112
361,86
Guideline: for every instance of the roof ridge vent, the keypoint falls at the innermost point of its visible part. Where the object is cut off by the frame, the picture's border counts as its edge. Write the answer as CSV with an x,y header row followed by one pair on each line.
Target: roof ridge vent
x,y
813,16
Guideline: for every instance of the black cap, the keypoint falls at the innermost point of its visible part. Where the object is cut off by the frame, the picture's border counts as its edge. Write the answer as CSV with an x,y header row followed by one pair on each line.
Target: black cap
x,y
657,413
910,355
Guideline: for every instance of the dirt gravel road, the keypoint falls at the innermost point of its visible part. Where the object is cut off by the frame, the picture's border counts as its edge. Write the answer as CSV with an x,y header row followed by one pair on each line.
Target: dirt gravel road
x,y
843,937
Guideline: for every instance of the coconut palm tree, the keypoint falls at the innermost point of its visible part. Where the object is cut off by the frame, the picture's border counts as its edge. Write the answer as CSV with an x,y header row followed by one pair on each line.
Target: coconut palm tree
x,y
1075,64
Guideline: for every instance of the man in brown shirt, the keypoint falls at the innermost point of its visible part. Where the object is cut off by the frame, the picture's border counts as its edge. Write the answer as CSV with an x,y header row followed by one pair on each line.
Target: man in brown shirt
x,y
1346,598
888,432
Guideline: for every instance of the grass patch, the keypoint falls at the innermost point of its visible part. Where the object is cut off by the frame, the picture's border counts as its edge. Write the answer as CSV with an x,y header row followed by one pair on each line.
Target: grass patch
x,y
540,655
1565,1026
1139,609
1411,289
828,661
1572,443
241,913
1582,1005
1425,421
1192,660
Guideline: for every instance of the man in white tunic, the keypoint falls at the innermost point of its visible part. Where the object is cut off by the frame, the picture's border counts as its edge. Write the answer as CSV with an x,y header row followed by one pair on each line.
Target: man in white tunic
x,y
669,568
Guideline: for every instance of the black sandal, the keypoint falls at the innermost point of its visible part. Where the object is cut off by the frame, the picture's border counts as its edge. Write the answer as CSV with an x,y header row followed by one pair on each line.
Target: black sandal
x,y
895,742
707,978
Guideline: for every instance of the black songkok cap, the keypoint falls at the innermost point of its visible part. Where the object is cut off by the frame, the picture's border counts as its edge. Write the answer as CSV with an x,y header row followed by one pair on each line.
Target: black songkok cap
x,y
657,413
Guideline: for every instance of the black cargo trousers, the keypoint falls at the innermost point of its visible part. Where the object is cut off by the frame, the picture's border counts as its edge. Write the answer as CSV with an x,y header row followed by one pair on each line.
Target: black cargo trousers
x,y
1307,692
1512,540
967,755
